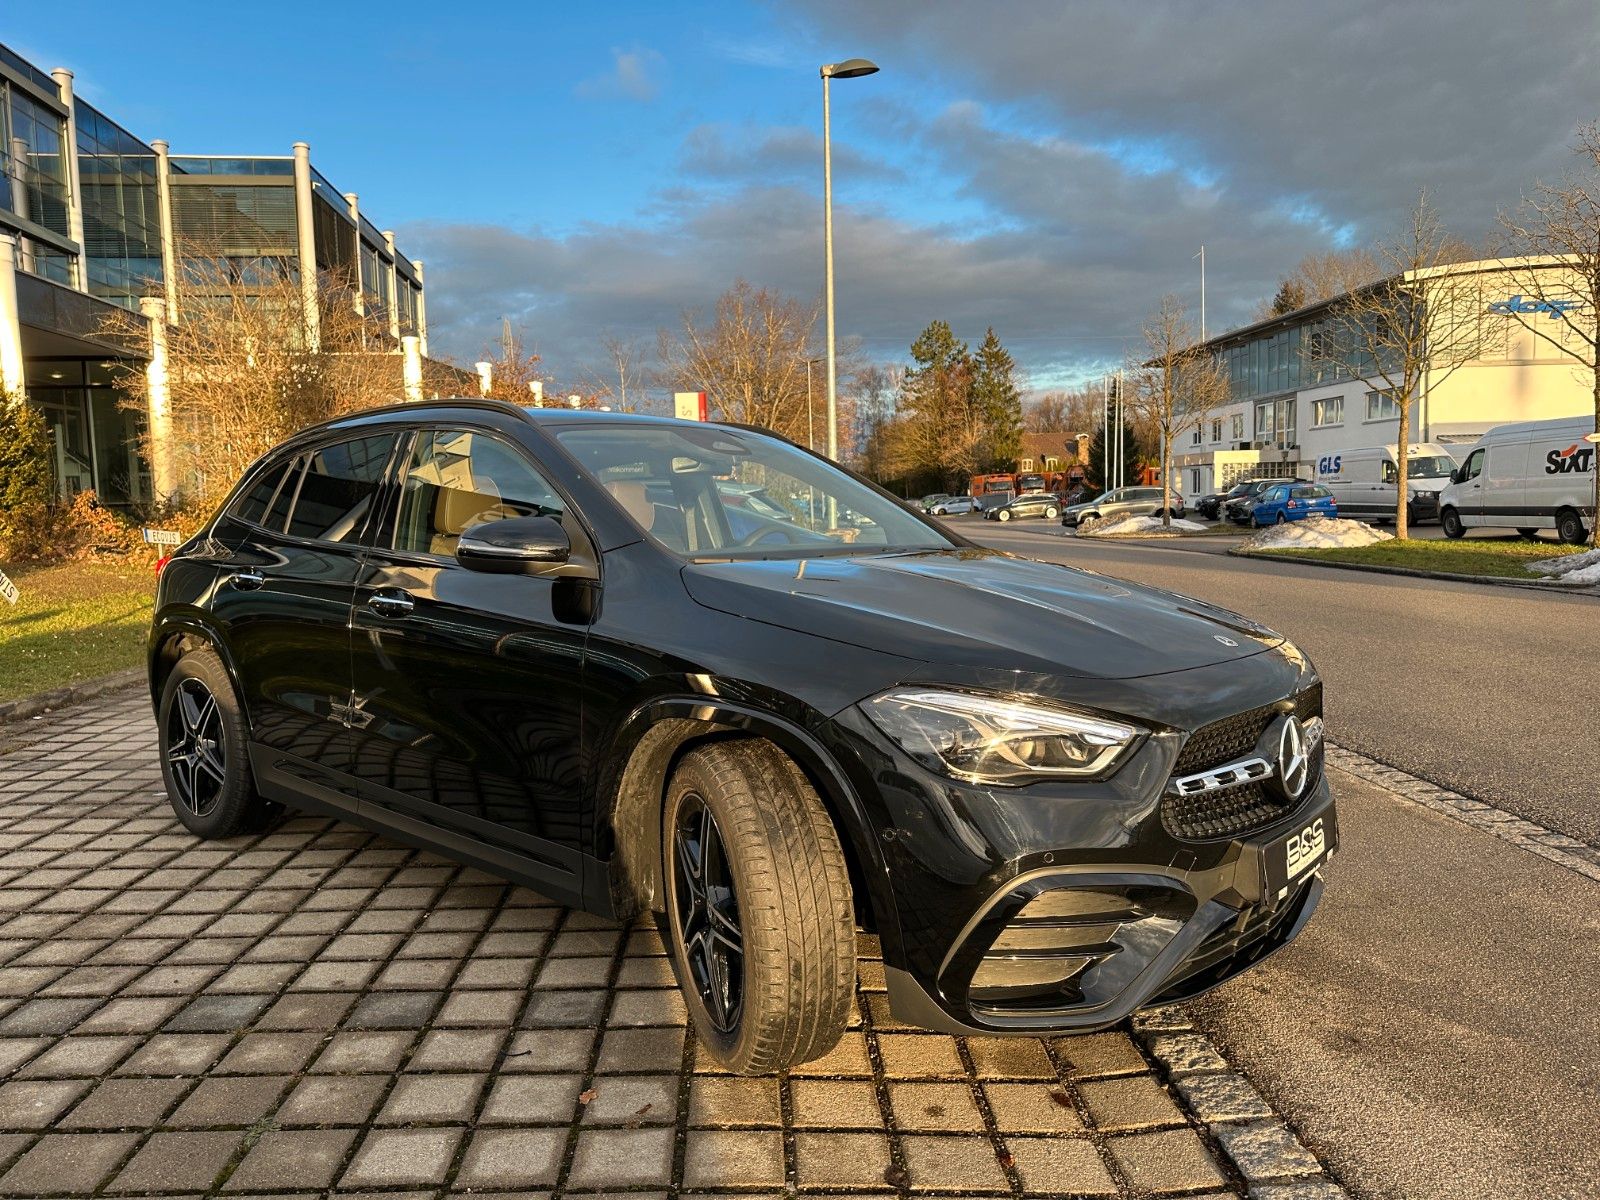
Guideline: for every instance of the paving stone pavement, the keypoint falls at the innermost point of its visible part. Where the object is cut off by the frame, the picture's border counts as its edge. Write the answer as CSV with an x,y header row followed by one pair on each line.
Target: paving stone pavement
x,y
319,1011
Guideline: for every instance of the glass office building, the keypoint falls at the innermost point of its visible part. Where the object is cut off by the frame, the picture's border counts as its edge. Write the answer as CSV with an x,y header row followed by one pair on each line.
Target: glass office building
x,y
94,218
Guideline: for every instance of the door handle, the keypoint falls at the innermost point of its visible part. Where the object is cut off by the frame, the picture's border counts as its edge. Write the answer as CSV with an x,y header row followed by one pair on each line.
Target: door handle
x,y
391,604
247,581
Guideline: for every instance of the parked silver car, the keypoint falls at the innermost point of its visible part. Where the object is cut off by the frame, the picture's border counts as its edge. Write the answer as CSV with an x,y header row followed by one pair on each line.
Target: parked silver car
x,y
1122,502
952,506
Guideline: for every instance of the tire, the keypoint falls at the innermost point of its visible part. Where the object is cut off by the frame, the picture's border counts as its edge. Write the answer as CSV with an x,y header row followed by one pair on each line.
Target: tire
x,y
1527,535
776,854
1003,515
1051,512
1569,527
1450,521
204,762
1411,515
1283,518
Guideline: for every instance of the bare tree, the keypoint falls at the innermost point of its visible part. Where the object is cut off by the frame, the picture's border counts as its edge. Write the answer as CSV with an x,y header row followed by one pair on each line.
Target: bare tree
x,y
1409,330
512,367
1174,386
750,360
1076,411
1318,277
1556,237
875,388
245,369
627,371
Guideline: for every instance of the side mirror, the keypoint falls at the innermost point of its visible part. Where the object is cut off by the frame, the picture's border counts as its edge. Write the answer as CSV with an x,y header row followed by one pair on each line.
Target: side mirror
x,y
1455,476
514,546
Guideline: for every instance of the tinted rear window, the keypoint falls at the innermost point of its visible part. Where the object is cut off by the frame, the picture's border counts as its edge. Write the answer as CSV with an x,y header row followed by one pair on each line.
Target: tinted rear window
x,y
253,505
337,490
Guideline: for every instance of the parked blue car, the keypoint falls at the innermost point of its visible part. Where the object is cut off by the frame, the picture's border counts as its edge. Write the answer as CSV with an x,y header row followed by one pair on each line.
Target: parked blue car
x,y
1284,502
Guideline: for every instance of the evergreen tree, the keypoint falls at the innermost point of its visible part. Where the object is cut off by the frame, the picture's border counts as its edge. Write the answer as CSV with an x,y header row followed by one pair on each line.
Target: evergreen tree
x,y
938,431
27,485
998,404
1133,453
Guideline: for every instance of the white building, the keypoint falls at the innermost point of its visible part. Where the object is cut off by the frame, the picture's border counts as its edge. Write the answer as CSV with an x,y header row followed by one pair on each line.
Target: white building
x,y
1287,412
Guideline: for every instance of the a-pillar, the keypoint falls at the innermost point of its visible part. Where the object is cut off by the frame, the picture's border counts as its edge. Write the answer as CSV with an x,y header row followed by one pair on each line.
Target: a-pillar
x,y
80,273
12,380
305,228
411,367
485,377
422,308
158,396
169,241
394,286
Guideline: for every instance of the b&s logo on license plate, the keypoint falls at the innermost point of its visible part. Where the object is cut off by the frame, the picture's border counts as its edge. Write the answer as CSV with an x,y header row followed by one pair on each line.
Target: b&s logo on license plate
x,y
1306,847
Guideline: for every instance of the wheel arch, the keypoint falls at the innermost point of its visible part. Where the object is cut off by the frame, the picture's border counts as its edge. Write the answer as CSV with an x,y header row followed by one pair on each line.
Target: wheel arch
x,y
659,734
177,636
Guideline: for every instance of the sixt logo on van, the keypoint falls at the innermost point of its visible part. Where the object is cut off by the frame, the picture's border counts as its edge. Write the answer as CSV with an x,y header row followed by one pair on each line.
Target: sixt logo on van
x,y
1328,464
1516,304
1575,459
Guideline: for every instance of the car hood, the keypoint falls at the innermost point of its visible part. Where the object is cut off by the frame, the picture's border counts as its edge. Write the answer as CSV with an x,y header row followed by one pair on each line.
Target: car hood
x,y
982,608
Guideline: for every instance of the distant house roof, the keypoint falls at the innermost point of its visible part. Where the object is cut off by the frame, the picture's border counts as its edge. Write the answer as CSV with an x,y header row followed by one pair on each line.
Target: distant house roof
x,y
1054,444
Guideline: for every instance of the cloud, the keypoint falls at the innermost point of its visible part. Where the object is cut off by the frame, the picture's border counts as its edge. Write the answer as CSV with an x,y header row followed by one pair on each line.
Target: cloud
x,y
632,77
773,154
1355,104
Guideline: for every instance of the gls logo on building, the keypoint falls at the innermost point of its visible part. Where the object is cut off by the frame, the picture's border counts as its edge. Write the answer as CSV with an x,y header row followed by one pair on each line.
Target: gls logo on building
x,y
1530,306
1574,460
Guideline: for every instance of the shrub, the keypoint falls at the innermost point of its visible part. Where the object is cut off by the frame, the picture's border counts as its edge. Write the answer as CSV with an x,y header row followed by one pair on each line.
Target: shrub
x,y
27,487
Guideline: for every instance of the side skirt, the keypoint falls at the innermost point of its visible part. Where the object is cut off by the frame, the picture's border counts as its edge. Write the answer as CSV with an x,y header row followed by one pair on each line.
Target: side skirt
x,y
302,786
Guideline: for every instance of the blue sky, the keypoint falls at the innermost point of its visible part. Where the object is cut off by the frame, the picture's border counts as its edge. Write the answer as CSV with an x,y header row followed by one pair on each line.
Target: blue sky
x,y
1050,169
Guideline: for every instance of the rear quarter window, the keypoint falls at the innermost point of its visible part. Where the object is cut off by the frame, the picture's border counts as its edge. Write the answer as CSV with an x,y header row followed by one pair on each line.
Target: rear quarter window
x,y
253,504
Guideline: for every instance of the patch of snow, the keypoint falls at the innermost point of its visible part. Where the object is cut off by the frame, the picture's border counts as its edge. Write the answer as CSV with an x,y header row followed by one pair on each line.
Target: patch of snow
x,y
1580,568
1316,533
1131,526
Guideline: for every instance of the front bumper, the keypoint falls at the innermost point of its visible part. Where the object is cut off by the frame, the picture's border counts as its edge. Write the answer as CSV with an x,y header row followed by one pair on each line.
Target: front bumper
x,y
1064,908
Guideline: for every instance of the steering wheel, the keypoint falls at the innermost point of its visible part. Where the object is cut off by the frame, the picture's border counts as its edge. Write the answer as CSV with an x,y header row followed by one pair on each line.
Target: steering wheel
x,y
790,536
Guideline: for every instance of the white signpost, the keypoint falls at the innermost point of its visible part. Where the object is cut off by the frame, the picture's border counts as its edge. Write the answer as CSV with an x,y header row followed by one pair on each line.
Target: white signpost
x,y
162,537
689,406
8,590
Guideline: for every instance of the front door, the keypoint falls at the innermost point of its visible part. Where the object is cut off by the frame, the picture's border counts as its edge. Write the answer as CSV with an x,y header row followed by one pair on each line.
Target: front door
x,y
1471,489
284,597
465,710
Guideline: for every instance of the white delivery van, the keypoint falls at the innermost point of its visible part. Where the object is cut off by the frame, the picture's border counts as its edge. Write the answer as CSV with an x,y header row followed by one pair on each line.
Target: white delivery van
x,y
1529,476
1363,481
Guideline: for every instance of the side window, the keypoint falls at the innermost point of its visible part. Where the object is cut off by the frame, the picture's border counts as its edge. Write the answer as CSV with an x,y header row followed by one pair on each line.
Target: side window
x,y
337,490
455,479
1474,466
1391,473
252,506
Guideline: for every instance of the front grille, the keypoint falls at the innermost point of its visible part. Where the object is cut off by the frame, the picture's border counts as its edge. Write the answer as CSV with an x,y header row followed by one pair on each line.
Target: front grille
x,y
1236,810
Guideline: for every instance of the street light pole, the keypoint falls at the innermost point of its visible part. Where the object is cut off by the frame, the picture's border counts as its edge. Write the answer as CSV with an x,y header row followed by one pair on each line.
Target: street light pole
x,y
851,68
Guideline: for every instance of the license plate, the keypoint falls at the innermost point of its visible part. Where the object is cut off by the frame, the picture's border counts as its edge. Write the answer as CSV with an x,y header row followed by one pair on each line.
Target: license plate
x,y
1300,852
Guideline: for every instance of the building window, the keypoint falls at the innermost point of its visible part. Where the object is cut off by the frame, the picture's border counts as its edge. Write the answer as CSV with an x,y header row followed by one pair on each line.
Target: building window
x,y
1025,465
1328,411
1266,423
1194,480
1238,427
1199,437
1216,429
1052,463
1382,406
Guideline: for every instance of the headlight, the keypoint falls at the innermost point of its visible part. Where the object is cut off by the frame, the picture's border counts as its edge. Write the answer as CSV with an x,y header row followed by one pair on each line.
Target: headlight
x,y
989,739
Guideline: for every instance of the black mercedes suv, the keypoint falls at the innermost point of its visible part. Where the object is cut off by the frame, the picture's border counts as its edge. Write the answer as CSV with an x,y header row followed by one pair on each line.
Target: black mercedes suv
x,y
645,665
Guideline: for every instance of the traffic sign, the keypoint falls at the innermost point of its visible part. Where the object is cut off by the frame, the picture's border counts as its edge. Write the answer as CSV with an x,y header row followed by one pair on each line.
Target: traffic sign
x,y
162,537
8,590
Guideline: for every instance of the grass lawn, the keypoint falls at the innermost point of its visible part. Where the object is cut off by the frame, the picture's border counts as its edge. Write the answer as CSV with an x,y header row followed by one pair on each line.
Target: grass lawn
x,y
72,622
1469,556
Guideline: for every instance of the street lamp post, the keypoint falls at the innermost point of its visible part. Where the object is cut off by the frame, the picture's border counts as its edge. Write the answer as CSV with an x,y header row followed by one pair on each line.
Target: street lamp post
x,y
850,68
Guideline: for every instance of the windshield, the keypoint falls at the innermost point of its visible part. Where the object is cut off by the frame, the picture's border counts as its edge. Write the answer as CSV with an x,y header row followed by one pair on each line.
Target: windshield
x,y
1431,466
705,491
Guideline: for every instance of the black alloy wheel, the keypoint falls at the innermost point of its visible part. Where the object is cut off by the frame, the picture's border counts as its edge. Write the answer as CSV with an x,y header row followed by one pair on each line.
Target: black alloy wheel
x,y
707,913
196,748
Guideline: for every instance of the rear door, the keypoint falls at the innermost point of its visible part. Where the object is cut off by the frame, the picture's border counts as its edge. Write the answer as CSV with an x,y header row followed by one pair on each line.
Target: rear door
x,y
284,599
465,708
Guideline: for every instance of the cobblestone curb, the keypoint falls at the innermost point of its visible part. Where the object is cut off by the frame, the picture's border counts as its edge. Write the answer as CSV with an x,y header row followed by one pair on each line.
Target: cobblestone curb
x,y
1546,843
1235,1119
89,689
1530,584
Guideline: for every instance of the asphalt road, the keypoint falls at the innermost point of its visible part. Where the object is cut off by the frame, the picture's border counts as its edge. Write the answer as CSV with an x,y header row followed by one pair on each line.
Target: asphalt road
x,y
1493,692
1432,1033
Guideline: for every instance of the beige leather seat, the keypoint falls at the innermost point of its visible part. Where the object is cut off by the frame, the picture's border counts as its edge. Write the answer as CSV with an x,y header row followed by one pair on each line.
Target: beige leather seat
x,y
635,500
456,508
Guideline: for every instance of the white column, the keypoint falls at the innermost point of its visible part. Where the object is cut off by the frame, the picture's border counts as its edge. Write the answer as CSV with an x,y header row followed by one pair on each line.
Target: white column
x,y
411,368
422,307
307,244
163,472
169,242
11,376
536,387
80,273
352,204
394,285
485,377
